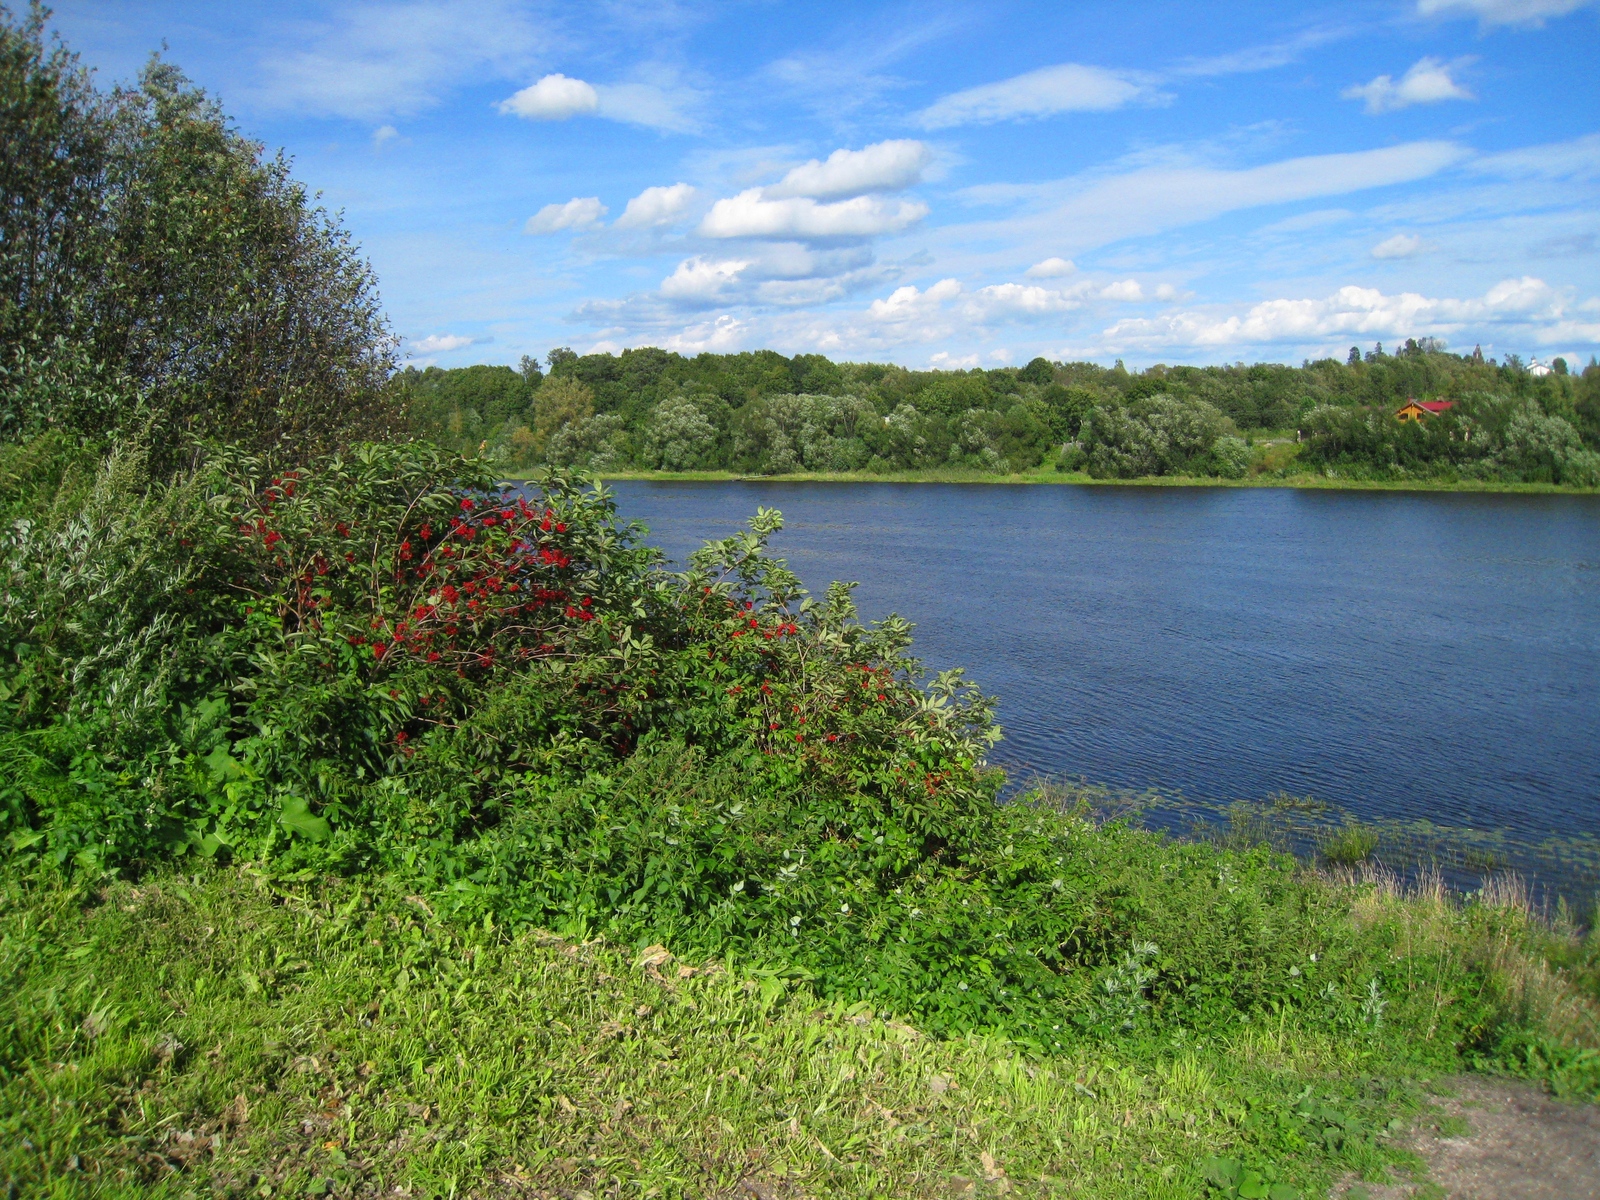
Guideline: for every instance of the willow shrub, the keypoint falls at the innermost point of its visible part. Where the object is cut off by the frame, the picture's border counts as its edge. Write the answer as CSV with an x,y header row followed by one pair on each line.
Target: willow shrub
x,y
384,661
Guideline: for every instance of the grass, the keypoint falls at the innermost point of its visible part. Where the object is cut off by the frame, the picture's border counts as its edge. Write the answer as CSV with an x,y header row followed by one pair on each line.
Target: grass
x,y
233,1034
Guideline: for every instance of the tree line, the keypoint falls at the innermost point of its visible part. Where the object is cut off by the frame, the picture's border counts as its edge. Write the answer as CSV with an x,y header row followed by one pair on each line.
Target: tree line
x,y
764,413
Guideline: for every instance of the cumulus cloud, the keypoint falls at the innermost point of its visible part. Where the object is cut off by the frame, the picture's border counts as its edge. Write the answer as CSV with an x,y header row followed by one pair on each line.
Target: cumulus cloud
x,y
702,280
553,98
1023,302
751,214
1502,12
1051,268
883,167
657,206
1401,245
906,304
382,135
1427,82
558,98
1070,87
720,336
945,361
578,213
438,343
1351,311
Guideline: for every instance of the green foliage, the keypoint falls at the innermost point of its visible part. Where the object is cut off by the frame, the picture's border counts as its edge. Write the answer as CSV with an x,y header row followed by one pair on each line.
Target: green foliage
x,y
343,1035
162,278
1154,435
762,413
1482,436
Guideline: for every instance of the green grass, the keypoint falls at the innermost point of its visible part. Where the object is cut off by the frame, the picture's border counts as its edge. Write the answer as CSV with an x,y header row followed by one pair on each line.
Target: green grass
x,y
233,1034
227,1033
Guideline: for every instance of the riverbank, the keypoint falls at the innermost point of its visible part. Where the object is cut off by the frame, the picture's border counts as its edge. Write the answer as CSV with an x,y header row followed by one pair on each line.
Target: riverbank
x,y
240,1031
1306,481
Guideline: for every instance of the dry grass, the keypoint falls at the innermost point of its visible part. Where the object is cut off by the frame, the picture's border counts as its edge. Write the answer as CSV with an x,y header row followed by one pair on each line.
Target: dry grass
x,y
1499,930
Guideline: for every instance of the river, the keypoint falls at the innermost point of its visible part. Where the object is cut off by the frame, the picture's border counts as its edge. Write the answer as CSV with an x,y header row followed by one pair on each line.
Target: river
x,y
1403,655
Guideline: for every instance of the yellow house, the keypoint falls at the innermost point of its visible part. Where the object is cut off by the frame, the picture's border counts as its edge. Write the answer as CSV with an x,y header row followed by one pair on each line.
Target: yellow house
x,y
1416,410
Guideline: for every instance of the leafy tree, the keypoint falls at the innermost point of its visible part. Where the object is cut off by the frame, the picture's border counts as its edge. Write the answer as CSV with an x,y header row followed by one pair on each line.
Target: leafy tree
x,y
1155,435
679,437
167,278
1040,371
561,401
783,433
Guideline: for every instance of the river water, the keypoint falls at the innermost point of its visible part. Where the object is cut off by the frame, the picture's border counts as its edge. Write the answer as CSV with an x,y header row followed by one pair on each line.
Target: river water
x,y
1403,655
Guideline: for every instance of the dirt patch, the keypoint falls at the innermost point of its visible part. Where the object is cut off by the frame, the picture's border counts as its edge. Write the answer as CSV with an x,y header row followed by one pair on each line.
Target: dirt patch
x,y
1498,1139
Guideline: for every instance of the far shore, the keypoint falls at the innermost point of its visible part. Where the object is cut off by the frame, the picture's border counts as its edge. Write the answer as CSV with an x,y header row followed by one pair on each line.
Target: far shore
x,y
1307,481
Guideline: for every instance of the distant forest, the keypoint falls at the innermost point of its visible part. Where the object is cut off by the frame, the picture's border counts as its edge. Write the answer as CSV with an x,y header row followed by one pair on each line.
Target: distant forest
x,y
763,413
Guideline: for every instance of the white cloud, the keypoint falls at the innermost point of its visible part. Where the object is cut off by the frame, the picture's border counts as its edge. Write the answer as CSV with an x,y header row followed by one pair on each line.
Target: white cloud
x,y
750,214
907,304
945,361
1427,82
1578,159
1351,311
578,213
1070,87
438,343
1024,302
653,106
721,336
657,206
1502,12
379,60
1017,300
883,167
702,279
558,97
553,98
1095,209
1051,268
382,134
1401,245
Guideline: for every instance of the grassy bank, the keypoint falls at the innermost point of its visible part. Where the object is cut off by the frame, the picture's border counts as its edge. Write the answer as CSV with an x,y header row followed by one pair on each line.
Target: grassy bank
x,y
1308,480
239,1034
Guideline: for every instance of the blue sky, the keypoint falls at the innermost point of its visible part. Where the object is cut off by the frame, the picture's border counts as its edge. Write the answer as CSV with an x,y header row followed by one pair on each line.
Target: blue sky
x,y
954,185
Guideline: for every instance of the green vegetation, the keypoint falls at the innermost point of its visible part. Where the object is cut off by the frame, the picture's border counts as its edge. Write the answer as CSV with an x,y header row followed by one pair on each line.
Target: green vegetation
x,y
370,825
649,410
161,276
251,1035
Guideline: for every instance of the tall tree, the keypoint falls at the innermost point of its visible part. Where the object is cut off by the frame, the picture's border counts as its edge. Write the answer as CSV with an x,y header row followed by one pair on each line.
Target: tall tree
x,y
190,283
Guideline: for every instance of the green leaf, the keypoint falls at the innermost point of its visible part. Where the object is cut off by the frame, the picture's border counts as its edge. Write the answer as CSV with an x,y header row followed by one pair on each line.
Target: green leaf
x,y
296,817
1282,1191
1221,1172
222,766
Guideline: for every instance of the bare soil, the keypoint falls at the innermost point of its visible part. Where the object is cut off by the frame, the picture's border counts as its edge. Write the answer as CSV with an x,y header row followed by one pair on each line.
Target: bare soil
x,y
1499,1139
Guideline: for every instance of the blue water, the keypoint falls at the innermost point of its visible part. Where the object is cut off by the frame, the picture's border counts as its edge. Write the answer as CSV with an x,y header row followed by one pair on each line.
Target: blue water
x,y
1401,655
